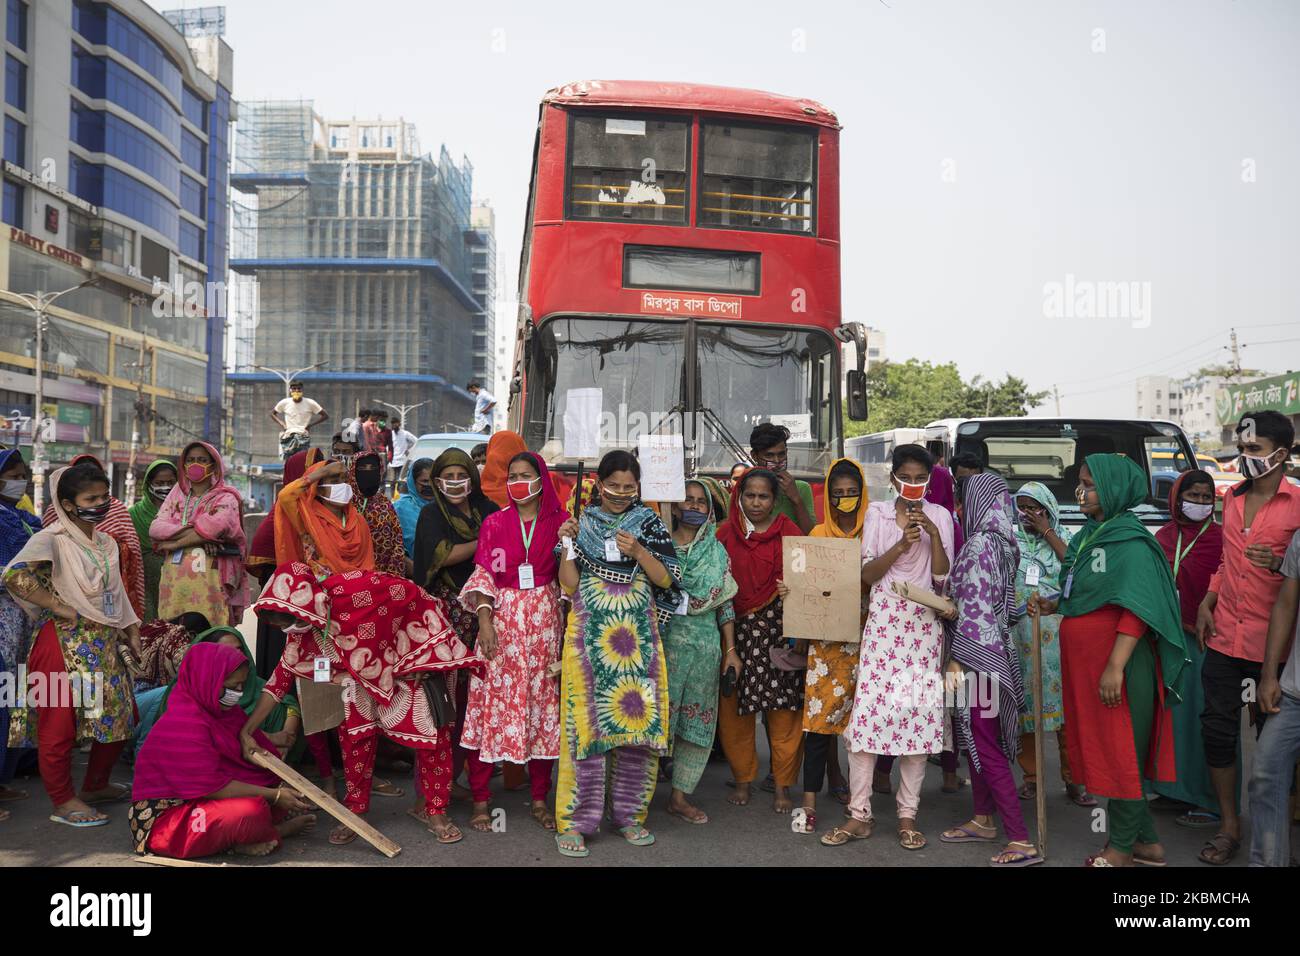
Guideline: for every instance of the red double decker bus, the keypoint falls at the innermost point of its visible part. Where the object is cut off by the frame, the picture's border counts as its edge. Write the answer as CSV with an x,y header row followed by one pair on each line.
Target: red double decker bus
x,y
681,253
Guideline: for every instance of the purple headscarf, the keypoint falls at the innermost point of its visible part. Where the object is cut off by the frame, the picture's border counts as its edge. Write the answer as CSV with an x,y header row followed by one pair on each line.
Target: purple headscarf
x,y
942,492
983,583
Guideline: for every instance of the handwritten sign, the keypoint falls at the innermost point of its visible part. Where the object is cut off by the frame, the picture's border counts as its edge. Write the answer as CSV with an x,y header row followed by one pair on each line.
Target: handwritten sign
x,y
824,577
663,467
582,423
800,426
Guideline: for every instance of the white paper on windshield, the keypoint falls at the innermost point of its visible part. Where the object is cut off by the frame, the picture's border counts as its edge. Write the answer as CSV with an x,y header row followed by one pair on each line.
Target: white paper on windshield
x,y
663,467
625,127
582,423
800,426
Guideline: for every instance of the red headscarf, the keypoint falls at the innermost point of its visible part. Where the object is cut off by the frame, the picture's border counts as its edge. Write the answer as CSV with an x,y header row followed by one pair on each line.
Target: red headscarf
x,y
501,536
1199,564
755,555
194,748
261,555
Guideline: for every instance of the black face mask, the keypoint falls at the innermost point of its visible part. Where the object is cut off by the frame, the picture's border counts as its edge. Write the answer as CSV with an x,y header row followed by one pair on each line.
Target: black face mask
x,y
94,515
367,482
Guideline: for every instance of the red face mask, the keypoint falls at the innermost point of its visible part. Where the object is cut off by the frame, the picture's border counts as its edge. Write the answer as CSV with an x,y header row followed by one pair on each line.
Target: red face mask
x,y
912,492
523,490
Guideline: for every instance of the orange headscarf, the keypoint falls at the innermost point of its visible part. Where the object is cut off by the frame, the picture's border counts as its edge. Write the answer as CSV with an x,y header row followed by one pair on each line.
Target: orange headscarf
x,y
829,528
502,446
307,530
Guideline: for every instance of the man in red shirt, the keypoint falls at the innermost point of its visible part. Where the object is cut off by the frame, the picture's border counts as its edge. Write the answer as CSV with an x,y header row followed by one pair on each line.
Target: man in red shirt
x,y
1259,517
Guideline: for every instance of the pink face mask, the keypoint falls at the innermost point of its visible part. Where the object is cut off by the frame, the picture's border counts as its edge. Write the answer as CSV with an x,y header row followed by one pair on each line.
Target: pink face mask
x,y
197,472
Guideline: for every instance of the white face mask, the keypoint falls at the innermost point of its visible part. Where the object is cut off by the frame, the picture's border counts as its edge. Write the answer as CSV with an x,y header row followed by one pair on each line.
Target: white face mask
x,y
1256,467
1197,512
340,494
457,490
14,488
230,697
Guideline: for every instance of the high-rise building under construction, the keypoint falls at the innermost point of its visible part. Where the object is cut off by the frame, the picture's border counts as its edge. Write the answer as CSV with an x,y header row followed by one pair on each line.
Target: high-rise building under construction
x,y
356,246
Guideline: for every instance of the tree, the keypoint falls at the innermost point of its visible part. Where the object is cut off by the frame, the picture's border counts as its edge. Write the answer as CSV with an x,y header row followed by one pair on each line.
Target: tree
x,y
912,394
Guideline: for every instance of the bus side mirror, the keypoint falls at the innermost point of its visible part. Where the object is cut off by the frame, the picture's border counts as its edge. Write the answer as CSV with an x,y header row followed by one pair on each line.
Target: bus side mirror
x,y
857,395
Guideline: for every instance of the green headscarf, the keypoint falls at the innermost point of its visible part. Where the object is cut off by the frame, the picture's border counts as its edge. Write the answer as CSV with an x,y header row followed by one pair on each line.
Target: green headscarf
x,y
1131,569
252,685
706,567
716,492
452,526
142,514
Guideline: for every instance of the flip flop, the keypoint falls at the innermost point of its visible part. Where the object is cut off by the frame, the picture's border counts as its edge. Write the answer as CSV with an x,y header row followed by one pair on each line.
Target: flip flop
x,y
703,818
1021,859
385,788
908,840
637,836
968,836
9,794
577,851
1222,846
120,792
68,820
1098,862
841,793
1198,819
838,836
1081,798
1028,790
1149,860
341,839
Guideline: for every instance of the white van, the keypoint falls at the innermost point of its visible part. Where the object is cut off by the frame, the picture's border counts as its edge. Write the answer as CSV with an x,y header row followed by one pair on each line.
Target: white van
x,y
875,452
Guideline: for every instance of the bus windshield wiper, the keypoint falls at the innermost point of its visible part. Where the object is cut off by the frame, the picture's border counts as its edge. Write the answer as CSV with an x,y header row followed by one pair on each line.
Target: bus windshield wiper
x,y
728,439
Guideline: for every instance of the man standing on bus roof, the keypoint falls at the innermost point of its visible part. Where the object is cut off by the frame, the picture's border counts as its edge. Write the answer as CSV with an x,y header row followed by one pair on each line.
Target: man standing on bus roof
x,y
767,446
484,402
296,415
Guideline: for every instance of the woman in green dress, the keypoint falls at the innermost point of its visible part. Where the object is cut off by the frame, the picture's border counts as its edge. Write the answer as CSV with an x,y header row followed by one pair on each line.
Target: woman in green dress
x,y
159,479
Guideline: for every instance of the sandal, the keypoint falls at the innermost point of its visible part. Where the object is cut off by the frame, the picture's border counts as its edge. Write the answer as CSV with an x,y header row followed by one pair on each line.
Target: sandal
x,y
120,792
808,824
9,794
480,822
545,819
1079,796
571,844
841,793
702,818
637,836
910,839
1220,850
385,788
80,819
342,836
840,836
1198,819
1019,858
442,828
965,834
961,782
1028,790
1098,861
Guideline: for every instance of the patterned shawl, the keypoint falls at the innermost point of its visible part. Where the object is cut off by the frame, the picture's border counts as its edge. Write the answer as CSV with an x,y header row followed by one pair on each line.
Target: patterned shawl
x,y
194,748
442,526
261,555
596,525
706,568
217,515
164,645
16,525
1034,549
983,583
409,506
118,526
717,494
385,529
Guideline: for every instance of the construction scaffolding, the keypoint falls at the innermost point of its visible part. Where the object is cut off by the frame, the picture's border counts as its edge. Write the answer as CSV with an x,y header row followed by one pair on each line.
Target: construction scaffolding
x,y
359,252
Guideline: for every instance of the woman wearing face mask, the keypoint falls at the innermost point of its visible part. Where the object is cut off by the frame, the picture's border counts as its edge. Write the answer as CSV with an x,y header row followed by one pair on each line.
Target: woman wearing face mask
x,y
159,479
195,793
513,710
67,578
622,576
907,539
699,643
366,478
1123,653
752,537
418,493
832,665
1042,541
317,523
16,527
117,525
200,533
379,637
1193,544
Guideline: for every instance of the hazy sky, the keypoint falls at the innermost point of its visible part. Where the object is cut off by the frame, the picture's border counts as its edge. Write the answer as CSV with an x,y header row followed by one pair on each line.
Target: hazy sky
x,y
989,149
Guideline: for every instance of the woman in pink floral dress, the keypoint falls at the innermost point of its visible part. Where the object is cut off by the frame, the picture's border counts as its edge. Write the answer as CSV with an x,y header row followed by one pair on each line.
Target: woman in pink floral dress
x,y
513,713
898,706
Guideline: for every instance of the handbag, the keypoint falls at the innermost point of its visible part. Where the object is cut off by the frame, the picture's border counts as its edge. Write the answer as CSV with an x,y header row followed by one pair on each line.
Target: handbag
x,y
441,705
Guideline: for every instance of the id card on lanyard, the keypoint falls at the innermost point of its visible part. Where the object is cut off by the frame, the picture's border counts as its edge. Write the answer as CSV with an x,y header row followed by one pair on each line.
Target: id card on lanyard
x,y
526,580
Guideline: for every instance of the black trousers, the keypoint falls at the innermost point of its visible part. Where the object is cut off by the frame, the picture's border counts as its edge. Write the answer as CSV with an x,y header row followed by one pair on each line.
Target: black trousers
x,y
817,749
1228,683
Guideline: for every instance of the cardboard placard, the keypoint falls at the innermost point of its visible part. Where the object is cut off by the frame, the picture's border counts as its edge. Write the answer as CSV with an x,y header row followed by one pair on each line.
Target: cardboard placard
x,y
321,705
663,467
825,580
582,408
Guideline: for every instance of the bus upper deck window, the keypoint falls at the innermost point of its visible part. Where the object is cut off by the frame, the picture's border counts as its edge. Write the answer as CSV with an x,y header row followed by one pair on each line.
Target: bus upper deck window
x,y
628,168
758,177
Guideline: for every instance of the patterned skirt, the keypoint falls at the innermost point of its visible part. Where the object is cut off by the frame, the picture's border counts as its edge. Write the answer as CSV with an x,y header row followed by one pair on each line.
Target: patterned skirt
x,y
142,815
762,686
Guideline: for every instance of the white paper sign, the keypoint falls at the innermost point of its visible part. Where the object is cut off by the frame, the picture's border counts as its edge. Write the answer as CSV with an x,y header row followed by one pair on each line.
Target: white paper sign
x,y
663,467
800,426
582,408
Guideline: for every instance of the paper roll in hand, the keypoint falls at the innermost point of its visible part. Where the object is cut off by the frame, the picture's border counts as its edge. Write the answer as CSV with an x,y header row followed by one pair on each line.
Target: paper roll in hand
x,y
923,596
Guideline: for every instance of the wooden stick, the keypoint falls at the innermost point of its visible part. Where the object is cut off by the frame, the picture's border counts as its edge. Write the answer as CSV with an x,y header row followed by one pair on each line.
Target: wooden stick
x,y
172,861
1040,790
327,803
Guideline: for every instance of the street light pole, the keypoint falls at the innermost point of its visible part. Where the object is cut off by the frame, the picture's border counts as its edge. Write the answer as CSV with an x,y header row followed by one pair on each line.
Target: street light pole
x,y
39,302
287,376
402,410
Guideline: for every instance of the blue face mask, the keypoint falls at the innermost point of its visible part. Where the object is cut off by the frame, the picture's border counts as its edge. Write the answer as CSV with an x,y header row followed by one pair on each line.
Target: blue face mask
x,y
693,519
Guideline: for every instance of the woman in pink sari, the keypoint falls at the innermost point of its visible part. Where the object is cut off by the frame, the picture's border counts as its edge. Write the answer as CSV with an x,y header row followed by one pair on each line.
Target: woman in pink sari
x,y
200,530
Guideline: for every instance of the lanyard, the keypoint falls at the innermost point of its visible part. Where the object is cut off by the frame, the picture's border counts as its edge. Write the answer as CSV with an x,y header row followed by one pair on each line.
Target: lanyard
x,y
1180,552
527,535
185,510
103,567
1083,545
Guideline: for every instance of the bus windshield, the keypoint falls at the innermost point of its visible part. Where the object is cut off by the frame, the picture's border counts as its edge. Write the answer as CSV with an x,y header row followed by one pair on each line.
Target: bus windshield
x,y
710,382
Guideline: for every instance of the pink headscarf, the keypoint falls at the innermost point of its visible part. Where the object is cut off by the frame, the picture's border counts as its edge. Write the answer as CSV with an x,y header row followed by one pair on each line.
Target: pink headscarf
x,y
501,539
194,748
942,491
216,516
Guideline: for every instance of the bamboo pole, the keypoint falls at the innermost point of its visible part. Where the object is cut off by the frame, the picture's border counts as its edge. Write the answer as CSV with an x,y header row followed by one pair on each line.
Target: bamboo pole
x,y
1040,790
